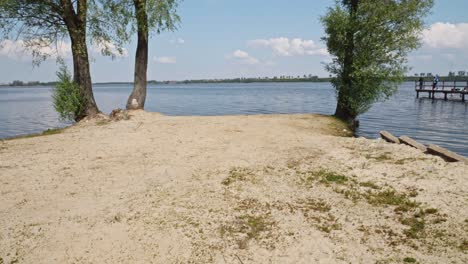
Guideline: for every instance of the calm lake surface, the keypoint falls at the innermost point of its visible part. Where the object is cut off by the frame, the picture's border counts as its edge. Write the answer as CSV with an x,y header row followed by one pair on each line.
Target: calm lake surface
x,y
29,110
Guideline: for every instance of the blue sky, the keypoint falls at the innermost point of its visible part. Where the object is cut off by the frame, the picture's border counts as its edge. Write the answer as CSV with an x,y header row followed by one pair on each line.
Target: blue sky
x,y
244,38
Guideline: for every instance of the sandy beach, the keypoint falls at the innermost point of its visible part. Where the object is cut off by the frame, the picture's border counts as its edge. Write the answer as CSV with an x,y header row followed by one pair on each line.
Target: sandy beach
x,y
230,189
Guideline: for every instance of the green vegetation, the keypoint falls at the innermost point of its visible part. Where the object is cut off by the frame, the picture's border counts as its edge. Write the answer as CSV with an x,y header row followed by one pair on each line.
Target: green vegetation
x,y
331,177
409,260
54,131
382,157
254,225
315,205
369,42
390,197
48,132
431,211
41,24
369,184
238,174
67,98
464,245
416,226
247,227
102,122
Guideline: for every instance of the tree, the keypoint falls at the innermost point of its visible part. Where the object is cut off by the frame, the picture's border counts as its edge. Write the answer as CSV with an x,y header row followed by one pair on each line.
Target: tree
x,y
461,73
369,41
42,23
142,17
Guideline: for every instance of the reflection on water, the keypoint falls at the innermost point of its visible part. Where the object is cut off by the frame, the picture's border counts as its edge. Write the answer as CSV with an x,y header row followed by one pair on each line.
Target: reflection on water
x,y
29,110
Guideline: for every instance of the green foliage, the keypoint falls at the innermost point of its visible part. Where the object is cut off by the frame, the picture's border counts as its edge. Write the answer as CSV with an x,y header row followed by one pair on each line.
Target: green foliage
x,y
369,41
123,20
67,98
409,260
331,177
40,25
34,23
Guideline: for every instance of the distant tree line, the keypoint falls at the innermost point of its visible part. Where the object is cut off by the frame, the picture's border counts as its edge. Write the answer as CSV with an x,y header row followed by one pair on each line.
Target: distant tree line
x,y
241,80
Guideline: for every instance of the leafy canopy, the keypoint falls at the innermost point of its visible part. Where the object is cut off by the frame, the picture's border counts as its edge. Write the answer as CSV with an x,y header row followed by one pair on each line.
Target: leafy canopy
x,y
40,25
369,45
161,15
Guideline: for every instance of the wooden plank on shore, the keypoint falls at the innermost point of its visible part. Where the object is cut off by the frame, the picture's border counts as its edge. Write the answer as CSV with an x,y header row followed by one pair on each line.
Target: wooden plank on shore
x,y
389,137
446,154
413,143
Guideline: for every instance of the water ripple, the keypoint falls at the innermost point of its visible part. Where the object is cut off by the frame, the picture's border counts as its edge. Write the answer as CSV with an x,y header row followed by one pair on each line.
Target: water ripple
x,y
29,110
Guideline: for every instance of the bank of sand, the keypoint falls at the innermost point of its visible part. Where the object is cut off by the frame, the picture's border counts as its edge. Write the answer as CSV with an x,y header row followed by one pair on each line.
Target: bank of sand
x,y
232,189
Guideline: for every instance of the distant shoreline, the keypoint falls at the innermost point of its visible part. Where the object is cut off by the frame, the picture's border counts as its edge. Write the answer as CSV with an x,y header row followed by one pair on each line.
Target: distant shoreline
x,y
236,80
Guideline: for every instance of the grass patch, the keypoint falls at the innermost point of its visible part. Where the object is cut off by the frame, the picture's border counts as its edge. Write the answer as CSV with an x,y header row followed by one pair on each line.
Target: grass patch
x,y
248,227
381,157
52,131
351,194
102,122
237,174
464,246
47,132
340,128
331,177
369,184
416,227
315,205
409,260
431,211
391,197
328,228
254,225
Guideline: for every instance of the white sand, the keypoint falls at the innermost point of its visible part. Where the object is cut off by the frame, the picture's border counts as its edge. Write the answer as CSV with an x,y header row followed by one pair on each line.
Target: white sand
x,y
237,189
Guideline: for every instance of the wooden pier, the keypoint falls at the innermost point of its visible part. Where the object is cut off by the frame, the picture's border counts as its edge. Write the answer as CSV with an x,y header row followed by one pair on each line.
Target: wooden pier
x,y
446,88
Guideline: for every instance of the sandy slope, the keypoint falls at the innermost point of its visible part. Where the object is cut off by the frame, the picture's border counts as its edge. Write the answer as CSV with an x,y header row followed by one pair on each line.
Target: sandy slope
x,y
238,189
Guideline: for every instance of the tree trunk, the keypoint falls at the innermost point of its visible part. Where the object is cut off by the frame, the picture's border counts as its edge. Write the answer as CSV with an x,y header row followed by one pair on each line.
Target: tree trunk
x,y
76,25
343,109
138,97
82,76
343,113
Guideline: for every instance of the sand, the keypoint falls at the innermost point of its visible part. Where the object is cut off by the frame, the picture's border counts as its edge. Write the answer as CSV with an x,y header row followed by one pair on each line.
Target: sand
x,y
232,189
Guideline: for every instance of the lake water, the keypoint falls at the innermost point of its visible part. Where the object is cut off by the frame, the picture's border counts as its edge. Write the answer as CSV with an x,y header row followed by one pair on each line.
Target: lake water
x,y
445,123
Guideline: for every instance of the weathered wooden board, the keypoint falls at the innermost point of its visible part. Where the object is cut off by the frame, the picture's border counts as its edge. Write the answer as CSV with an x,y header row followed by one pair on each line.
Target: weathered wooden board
x,y
413,143
389,137
446,154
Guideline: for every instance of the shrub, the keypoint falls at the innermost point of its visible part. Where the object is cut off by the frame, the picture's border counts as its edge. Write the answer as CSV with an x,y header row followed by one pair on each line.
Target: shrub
x,y
67,98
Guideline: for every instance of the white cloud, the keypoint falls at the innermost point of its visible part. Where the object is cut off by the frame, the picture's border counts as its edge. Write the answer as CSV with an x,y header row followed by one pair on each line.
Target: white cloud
x,y
178,41
243,57
446,35
290,47
19,50
165,60
111,48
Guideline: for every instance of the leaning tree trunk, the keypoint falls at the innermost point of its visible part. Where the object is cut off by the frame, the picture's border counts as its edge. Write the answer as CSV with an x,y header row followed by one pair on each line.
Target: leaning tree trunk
x,y
343,109
138,97
76,25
